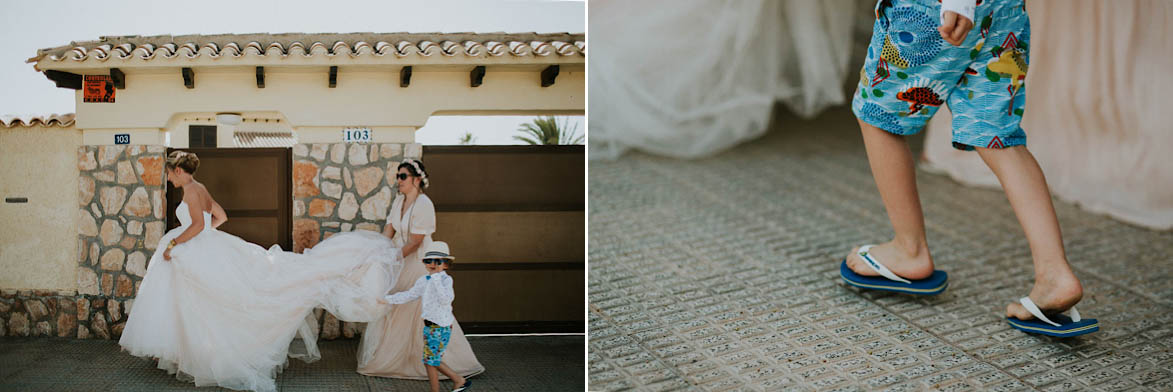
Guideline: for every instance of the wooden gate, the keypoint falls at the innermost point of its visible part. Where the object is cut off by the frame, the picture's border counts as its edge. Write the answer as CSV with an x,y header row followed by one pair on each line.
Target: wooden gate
x,y
253,185
515,218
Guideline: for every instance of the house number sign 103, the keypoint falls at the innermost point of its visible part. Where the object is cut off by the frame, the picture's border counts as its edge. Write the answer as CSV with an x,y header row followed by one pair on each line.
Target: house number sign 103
x,y
356,135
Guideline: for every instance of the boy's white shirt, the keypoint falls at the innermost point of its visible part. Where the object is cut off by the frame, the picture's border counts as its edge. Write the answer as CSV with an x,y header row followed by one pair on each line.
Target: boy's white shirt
x,y
961,7
437,294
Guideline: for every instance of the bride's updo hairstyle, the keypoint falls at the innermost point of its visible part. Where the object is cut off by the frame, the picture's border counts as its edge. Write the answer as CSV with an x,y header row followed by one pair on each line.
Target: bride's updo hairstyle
x,y
416,168
183,160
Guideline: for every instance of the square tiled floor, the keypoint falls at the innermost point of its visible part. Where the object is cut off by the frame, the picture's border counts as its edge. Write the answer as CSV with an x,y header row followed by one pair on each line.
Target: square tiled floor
x,y
722,274
512,363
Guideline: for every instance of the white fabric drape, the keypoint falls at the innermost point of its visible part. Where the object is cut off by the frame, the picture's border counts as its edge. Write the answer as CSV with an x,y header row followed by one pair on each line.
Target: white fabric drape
x,y
1098,117
692,77
227,312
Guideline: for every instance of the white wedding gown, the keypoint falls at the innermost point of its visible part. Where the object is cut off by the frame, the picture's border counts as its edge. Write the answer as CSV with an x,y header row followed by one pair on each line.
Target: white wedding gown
x,y
226,312
689,78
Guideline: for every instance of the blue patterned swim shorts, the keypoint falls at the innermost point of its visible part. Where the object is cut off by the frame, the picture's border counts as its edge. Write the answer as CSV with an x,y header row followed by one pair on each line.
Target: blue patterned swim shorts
x,y
910,71
435,341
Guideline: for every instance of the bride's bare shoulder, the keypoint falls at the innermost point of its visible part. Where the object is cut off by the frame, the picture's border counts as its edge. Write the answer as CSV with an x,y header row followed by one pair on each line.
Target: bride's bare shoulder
x,y
199,191
195,189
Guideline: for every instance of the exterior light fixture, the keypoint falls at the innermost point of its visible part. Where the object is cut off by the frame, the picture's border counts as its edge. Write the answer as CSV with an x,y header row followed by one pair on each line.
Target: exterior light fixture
x,y
228,118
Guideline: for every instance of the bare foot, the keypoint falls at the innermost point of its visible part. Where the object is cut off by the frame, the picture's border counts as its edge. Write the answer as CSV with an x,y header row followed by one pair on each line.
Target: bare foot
x,y
911,265
1054,292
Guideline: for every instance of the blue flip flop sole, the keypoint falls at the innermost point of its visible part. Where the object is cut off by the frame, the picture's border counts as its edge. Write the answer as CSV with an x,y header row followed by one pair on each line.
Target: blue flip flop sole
x,y
1066,328
932,285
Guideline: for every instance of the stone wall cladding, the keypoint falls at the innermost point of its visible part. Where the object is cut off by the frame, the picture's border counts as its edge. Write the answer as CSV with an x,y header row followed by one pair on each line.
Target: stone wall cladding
x,y
38,313
120,222
337,187
340,187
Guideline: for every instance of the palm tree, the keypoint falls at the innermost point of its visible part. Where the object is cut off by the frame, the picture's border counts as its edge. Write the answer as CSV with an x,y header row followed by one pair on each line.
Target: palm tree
x,y
467,139
547,131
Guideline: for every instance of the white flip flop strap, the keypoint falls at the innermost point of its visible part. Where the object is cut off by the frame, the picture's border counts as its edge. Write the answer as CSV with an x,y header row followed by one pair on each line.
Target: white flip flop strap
x,y
1074,314
876,266
1034,310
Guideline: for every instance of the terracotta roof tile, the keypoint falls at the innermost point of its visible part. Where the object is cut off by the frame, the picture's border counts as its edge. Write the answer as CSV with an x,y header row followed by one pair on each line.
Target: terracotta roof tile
x,y
398,45
59,120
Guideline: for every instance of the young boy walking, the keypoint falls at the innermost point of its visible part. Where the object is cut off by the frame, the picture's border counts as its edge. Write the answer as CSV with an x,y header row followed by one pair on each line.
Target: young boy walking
x,y
436,292
973,55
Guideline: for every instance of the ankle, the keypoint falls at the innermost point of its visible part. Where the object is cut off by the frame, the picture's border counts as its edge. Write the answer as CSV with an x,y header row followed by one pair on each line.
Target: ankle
x,y
912,247
1054,270
1061,279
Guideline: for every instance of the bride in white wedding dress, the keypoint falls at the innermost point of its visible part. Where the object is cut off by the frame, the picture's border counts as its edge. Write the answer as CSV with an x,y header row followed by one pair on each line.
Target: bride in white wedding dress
x,y
217,310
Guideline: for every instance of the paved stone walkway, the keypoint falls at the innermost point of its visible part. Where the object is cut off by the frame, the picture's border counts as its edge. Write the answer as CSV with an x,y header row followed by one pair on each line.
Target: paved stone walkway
x,y
721,274
544,363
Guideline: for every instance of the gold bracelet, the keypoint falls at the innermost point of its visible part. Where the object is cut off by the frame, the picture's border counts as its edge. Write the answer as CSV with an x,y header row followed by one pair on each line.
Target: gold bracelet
x,y
171,244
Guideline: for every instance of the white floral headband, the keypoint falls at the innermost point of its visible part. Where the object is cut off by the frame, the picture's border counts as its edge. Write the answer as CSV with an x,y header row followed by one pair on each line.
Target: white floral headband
x,y
177,156
423,176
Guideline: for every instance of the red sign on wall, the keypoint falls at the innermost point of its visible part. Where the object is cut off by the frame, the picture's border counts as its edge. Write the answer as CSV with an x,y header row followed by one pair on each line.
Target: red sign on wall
x,y
97,88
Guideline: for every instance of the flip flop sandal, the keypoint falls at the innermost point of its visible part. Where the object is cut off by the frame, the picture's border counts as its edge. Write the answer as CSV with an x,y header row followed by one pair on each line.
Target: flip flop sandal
x,y
888,281
1058,325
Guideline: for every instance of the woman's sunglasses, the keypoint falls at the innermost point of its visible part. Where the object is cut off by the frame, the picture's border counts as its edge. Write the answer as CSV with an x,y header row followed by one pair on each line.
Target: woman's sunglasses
x,y
402,176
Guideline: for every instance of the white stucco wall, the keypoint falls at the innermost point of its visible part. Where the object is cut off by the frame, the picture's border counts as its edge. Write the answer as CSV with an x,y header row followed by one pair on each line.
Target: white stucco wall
x,y
38,239
362,98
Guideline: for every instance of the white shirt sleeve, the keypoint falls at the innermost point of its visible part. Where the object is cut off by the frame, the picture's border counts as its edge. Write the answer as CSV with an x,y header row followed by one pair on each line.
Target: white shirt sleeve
x,y
442,288
411,294
961,7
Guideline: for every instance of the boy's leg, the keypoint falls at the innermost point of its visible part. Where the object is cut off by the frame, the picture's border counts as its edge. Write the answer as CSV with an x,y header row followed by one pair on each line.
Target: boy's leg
x,y
907,255
433,378
988,109
457,380
907,75
435,342
1056,287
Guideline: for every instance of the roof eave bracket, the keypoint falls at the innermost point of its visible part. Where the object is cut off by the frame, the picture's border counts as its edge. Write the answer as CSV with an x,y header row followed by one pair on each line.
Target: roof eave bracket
x,y
548,75
477,76
188,78
64,79
118,78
